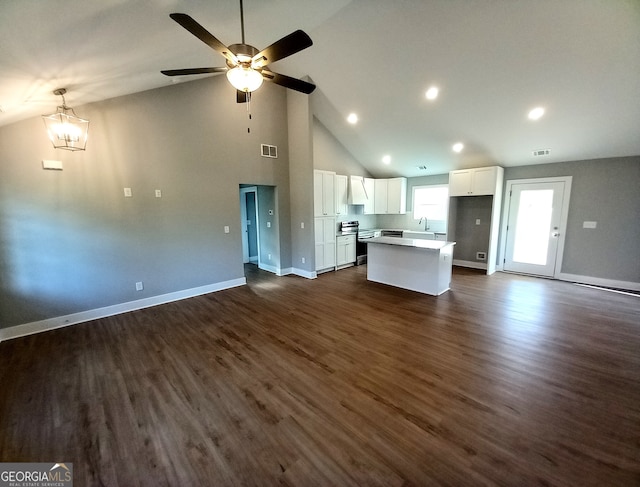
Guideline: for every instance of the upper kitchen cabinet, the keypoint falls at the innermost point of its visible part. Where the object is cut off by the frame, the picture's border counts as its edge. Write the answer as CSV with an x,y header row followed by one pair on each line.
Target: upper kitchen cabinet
x,y
481,181
390,196
342,207
324,196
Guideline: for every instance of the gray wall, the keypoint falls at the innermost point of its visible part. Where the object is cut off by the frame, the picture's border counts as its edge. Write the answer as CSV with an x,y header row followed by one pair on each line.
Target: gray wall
x,y
71,242
300,135
470,238
606,191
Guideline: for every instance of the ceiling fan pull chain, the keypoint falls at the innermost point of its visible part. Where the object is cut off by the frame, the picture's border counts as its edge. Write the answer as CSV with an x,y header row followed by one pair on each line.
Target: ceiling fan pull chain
x,y
249,109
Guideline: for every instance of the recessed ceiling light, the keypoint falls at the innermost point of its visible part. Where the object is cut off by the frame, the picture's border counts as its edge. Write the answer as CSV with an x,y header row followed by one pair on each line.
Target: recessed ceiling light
x,y
352,118
458,146
536,113
432,93
386,159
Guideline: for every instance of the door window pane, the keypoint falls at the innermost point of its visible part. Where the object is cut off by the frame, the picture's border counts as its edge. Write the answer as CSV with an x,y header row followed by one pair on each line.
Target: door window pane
x,y
531,242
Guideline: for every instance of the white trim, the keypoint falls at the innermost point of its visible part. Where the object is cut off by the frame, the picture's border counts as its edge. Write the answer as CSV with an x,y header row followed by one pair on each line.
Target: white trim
x,y
94,314
469,263
270,268
598,281
299,272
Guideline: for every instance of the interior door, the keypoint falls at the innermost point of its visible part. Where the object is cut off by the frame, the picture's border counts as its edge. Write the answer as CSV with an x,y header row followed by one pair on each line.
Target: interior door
x,y
534,227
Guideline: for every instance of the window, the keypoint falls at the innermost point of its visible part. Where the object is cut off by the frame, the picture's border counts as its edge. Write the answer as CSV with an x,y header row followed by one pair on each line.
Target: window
x,y
432,203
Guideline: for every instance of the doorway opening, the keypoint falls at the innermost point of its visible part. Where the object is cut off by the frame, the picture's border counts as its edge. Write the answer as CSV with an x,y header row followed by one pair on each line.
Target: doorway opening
x,y
259,226
249,224
535,221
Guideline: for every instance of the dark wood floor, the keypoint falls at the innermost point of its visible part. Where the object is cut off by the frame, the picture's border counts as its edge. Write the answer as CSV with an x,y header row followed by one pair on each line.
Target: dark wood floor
x,y
505,380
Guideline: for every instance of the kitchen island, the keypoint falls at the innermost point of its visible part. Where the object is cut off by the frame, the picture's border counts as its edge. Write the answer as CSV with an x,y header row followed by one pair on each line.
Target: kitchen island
x,y
416,264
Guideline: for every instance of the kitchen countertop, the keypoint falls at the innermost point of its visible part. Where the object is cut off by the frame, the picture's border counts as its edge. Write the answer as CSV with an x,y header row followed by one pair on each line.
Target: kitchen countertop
x,y
411,242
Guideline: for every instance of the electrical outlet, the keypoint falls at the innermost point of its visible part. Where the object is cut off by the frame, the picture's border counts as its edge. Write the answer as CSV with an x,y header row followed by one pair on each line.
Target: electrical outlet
x,y
268,224
139,286
481,256
477,221
226,229
127,192
304,261
301,224
269,258
158,193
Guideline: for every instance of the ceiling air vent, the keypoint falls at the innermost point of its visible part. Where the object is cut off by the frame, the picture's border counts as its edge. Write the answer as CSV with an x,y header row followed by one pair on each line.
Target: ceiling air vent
x,y
422,168
269,151
542,152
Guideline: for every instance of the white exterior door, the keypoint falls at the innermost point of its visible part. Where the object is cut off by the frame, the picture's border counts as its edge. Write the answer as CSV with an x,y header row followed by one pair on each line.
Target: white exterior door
x,y
535,227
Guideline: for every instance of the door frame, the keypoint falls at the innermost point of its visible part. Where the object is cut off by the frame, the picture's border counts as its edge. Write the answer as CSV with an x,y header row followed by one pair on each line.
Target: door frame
x,y
243,220
563,218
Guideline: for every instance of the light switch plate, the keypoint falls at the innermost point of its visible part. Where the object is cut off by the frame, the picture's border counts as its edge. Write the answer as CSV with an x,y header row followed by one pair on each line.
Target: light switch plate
x,y
49,164
127,192
226,229
589,224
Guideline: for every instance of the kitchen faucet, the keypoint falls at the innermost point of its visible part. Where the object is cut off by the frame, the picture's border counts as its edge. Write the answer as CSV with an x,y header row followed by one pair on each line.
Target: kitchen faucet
x,y
426,224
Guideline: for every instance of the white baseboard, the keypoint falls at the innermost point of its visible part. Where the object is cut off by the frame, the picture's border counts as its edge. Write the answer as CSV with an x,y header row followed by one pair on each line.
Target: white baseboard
x,y
597,281
471,264
94,314
270,268
303,273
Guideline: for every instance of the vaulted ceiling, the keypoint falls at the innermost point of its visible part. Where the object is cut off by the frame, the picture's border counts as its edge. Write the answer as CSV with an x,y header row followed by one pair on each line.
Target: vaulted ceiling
x,y
492,60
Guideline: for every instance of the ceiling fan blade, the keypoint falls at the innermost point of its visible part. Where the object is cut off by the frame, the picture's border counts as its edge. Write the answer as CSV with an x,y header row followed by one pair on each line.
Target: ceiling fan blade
x,y
188,71
204,35
288,45
241,96
289,82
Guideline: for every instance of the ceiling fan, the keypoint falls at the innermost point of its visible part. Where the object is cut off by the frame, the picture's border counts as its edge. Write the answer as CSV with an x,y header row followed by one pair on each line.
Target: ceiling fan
x,y
245,64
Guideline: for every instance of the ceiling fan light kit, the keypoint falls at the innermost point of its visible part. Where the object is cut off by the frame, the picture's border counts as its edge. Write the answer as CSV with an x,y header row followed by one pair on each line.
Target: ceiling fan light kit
x,y
245,64
65,129
244,78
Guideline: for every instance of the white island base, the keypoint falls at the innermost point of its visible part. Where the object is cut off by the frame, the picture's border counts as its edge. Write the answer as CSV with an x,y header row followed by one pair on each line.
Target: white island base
x,y
415,264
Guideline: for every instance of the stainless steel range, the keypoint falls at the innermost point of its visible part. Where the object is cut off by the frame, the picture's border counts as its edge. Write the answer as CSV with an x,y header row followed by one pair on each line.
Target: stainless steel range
x,y
363,235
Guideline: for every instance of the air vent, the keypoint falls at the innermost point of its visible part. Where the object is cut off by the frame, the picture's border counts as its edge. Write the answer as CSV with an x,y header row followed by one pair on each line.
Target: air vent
x,y
269,151
422,168
542,152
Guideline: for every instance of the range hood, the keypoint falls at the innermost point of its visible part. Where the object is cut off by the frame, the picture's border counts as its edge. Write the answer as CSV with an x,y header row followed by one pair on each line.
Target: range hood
x,y
357,191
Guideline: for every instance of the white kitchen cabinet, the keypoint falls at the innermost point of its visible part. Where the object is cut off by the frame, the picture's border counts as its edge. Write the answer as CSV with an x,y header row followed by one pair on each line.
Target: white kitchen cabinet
x,y
481,181
397,196
370,189
342,207
380,191
325,239
324,196
390,196
345,250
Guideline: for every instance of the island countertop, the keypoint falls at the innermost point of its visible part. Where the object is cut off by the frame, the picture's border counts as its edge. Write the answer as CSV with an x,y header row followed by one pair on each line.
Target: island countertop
x,y
411,242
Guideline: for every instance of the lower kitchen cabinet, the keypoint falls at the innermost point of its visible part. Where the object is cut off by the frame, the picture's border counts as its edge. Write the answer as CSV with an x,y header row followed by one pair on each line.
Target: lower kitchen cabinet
x,y
325,231
345,250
